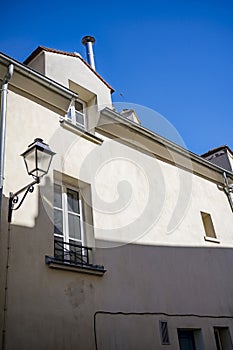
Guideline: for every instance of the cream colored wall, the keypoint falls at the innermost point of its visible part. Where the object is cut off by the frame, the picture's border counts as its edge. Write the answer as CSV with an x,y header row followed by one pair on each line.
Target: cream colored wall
x,y
64,68
177,272
154,188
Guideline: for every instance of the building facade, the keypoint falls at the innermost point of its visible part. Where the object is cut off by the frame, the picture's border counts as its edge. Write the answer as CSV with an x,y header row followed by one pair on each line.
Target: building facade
x,y
127,242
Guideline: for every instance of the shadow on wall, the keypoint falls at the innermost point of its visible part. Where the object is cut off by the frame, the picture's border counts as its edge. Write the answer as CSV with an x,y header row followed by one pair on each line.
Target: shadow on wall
x,y
141,280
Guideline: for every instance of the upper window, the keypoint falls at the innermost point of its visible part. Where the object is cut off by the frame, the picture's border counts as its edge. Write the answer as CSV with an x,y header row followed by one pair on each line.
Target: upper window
x,y
77,114
208,225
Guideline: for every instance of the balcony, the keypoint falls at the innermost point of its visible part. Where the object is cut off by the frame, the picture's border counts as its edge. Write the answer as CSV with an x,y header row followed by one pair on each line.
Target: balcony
x,y
73,257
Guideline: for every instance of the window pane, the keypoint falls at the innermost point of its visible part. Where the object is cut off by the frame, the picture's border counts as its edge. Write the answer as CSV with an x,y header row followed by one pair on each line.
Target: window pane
x,y
74,226
79,118
69,114
59,248
79,106
57,196
73,201
58,222
75,252
186,340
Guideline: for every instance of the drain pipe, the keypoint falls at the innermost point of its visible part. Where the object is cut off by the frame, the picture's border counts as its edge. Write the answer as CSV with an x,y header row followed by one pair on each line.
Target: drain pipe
x,y
4,91
228,189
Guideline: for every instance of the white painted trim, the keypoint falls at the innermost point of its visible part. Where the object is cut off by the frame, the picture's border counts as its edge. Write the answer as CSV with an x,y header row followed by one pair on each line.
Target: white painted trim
x,y
65,213
211,239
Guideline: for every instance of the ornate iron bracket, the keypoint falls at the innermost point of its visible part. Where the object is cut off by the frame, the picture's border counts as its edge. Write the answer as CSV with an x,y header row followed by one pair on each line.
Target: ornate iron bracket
x,y
14,197
228,189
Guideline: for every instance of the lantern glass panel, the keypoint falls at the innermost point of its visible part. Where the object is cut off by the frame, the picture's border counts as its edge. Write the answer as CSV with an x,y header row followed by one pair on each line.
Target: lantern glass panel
x,y
30,161
43,162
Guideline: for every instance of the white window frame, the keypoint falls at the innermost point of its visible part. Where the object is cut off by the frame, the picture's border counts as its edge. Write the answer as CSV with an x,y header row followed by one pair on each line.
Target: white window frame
x,y
71,115
65,217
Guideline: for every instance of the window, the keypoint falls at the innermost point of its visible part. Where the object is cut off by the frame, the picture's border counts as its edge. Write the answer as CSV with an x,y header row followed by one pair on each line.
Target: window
x,y
68,226
70,232
77,114
186,339
208,225
164,333
222,338
190,339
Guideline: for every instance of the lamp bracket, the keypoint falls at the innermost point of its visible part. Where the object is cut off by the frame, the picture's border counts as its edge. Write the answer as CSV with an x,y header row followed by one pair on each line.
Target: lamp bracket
x,y
14,197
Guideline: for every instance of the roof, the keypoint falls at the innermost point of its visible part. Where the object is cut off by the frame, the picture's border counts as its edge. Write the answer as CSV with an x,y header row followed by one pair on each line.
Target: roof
x,y
217,149
168,145
39,49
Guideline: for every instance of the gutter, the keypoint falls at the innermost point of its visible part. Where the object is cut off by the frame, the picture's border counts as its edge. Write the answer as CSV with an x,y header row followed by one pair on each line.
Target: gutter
x,y
228,189
165,142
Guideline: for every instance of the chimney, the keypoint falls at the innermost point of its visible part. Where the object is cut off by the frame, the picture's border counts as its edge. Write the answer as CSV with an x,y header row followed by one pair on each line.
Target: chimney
x,y
88,41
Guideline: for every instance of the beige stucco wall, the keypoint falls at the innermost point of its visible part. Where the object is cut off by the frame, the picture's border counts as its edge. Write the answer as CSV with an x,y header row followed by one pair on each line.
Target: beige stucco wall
x,y
174,273
64,68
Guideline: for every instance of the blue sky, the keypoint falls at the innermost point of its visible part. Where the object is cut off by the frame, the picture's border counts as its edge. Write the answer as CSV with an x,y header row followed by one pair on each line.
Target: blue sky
x,y
174,57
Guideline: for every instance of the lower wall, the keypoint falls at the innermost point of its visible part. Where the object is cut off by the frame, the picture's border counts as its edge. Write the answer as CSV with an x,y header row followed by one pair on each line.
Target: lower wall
x,y
190,288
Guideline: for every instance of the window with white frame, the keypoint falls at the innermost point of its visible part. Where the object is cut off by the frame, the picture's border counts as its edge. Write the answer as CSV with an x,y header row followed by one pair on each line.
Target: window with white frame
x,y
77,114
68,225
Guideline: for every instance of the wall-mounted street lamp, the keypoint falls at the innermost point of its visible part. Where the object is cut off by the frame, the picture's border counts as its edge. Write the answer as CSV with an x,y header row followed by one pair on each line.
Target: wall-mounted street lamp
x,y
37,158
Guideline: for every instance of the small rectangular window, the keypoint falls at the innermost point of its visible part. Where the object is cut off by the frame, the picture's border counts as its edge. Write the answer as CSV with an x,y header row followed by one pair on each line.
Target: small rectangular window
x,y
164,333
208,225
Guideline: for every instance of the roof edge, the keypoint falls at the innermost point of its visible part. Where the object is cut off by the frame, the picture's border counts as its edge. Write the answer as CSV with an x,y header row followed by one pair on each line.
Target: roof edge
x,y
39,49
156,137
42,79
217,149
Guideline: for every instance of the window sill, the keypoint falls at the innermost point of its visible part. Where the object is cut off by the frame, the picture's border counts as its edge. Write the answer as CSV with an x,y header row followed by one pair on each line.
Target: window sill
x,y
211,239
89,269
79,131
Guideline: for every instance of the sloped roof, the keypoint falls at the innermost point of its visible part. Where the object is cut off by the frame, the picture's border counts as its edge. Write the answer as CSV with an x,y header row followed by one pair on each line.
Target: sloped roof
x,y
217,149
39,49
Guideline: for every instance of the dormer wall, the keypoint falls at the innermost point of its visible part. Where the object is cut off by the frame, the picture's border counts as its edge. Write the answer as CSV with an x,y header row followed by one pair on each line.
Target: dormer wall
x,y
38,63
71,71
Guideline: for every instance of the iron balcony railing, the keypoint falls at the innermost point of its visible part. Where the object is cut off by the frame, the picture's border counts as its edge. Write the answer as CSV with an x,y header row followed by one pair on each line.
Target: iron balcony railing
x,y
72,253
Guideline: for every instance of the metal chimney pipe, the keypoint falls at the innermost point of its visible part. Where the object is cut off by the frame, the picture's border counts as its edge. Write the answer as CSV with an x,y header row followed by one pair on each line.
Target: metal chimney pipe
x,y
88,41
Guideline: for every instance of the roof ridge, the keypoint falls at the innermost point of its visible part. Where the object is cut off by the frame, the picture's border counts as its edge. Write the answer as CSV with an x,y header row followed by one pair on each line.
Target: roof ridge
x,y
217,149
